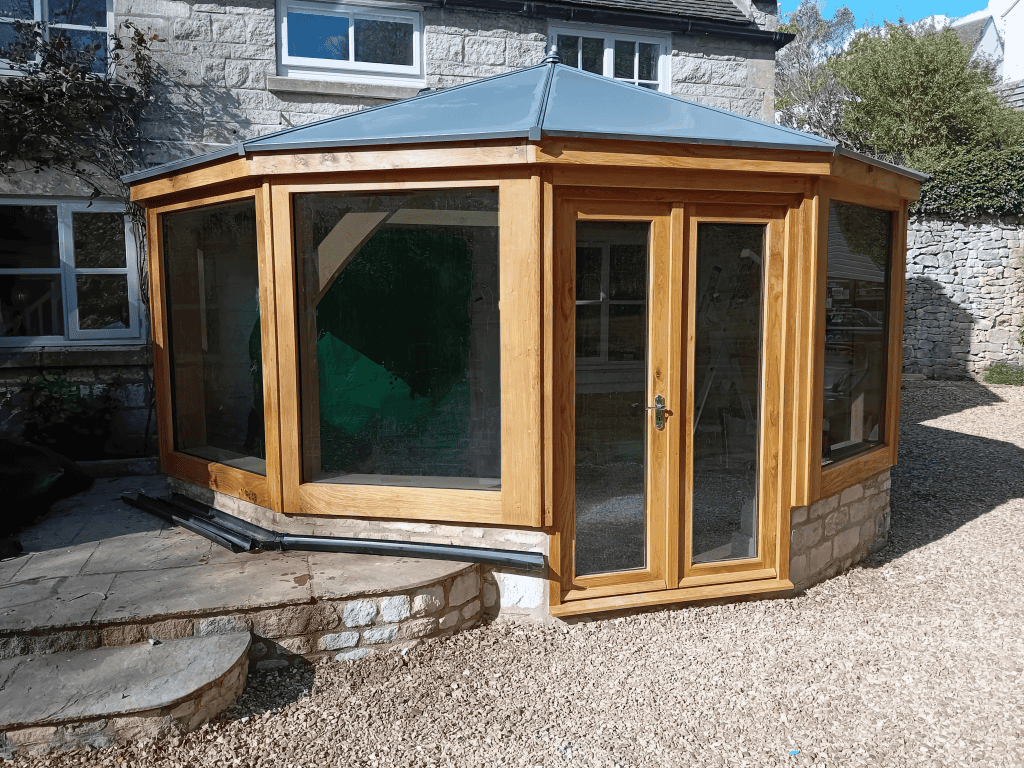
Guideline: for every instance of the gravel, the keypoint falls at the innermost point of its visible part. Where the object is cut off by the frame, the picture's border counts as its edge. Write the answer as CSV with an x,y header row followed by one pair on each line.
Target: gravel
x,y
915,659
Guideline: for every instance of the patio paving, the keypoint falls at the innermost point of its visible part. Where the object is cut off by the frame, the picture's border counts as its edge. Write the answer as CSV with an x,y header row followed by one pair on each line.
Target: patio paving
x,y
97,572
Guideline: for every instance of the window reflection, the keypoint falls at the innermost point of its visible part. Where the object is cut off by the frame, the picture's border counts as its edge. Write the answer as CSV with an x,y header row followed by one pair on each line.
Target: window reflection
x,y
856,330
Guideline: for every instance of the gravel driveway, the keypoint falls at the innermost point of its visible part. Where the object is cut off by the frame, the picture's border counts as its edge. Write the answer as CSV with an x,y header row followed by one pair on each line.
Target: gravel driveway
x,y
916,659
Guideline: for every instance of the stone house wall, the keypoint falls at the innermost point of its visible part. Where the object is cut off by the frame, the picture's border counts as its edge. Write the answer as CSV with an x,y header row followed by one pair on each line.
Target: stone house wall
x,y
837,532
965,295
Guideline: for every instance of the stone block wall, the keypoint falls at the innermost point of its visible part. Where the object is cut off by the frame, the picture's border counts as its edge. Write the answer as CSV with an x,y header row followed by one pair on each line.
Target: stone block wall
x,y
965,295
128,374
220,84
837,532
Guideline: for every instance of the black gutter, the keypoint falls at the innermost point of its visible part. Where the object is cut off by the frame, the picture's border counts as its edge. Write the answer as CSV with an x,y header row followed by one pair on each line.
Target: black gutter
x,y
241,536
551,9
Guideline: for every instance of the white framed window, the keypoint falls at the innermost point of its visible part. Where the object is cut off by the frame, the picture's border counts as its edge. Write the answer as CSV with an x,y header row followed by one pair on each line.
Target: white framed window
x,y
640,59
68,274
363,42
84,22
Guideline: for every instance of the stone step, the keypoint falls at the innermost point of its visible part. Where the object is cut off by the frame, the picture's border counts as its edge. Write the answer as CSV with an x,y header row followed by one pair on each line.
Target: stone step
x,y
96,697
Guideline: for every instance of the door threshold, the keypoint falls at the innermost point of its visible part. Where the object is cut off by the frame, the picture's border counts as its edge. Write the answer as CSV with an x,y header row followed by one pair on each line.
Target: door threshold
x,y
669,596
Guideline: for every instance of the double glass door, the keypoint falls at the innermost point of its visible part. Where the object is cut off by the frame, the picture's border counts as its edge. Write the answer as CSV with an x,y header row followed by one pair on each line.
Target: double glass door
x,y
667,468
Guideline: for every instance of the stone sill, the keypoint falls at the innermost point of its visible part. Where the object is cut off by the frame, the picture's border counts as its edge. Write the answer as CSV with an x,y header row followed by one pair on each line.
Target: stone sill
x,y
70,357
339,88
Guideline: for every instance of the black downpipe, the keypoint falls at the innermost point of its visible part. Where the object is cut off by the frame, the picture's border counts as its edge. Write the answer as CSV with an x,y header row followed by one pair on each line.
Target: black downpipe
x,y
241,536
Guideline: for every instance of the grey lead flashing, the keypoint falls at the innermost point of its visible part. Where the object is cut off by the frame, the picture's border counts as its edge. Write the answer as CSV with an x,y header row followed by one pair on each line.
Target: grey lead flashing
x,y
901,170
177,165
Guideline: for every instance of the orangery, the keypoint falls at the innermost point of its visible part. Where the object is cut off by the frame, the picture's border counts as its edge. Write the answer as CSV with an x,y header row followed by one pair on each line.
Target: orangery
x,y
623,349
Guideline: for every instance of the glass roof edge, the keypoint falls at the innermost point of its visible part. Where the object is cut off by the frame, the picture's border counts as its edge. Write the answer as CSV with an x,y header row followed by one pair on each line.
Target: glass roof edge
x,y
691,140
177,165
373,141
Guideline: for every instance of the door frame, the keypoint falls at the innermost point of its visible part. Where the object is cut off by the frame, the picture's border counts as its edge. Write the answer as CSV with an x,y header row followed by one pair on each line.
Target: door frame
x,y
675,271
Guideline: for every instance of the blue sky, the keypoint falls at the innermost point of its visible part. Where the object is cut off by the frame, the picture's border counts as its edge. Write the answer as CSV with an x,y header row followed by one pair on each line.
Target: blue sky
x,y
877,11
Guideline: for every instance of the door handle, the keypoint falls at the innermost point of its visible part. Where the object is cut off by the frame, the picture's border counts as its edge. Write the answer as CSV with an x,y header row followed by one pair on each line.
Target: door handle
x,y
659,411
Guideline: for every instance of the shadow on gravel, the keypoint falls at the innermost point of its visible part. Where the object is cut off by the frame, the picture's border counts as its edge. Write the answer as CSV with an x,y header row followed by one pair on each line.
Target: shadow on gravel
x,y
946,479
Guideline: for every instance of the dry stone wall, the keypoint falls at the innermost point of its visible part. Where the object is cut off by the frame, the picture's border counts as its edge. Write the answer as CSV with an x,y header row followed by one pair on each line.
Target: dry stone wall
x,y
965,296
837,532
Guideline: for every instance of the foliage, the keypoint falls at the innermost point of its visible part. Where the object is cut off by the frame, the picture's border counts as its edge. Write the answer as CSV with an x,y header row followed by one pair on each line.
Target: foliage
x,y
918,94
807,96
1004,373
970,184
58,416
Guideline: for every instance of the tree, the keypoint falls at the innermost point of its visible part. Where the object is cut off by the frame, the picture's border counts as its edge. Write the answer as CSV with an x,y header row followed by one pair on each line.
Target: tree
x,y
918,98
807,96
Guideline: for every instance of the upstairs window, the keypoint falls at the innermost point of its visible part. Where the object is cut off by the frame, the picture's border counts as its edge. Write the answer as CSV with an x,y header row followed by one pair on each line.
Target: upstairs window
x,y
83,22
351,42
640,60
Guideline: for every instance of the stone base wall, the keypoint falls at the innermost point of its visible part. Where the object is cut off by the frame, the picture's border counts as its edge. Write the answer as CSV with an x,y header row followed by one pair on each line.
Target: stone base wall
x,y
204,704
837,532
505,592
965,296
128,373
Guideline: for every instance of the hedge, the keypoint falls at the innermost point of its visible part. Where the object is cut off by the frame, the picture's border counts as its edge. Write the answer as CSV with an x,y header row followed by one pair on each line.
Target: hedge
x,y
984,182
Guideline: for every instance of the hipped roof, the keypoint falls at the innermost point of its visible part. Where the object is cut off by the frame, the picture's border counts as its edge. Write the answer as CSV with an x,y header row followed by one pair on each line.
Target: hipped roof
x,y
549,99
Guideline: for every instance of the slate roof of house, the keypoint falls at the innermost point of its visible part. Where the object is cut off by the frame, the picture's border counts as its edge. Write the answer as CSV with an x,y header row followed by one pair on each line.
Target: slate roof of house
x,y
971,32
549,99
719,10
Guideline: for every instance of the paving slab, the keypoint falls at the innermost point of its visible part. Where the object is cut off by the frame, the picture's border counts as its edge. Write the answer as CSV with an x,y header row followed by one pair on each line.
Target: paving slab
x,y
106,682
253,581
65,561
67,601
148,551
343,575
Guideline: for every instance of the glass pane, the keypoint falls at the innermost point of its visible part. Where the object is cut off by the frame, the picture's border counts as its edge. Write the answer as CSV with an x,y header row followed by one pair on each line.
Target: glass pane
x,y
400,338
589,263
611,423
212,284
31,305
593,55
856,330
569,50
28,237
727,367
315,36
625,54
648,67
627,332
102,302
588,330
16,9
649,86
86,48
86,13
627,271
384,42
8,36
99,239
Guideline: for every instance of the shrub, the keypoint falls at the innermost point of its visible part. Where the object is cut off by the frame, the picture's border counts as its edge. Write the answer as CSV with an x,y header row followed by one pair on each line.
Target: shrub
x,y
970,184
1004,373
59,417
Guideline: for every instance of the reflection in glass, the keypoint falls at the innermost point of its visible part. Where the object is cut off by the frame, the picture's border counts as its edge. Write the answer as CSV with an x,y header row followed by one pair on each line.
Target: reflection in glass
x,y
593,55
569,50
99,240
383,42
79,40
400,342
625,55
85,13
16,9
31,305
28,237
8,36
212,283
727,372
317,36
611,375
102,302
856,330
648,61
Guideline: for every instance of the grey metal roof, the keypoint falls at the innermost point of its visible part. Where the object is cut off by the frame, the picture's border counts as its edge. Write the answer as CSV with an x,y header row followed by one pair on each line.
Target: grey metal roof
x,y
971,32
550,99
724,10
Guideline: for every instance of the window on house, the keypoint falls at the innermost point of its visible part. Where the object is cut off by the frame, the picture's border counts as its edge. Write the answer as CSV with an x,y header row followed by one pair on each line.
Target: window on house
x,y
640,60
344,41
83,22
856,330
68,274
